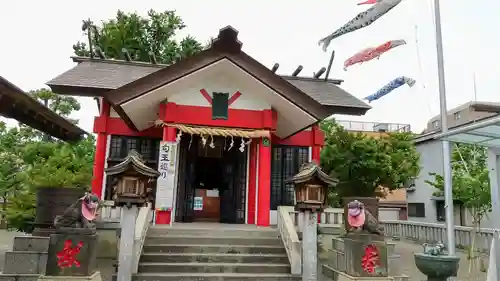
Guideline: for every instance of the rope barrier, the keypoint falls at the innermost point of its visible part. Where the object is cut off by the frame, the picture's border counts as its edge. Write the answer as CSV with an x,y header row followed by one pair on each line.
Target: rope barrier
x,y
211,131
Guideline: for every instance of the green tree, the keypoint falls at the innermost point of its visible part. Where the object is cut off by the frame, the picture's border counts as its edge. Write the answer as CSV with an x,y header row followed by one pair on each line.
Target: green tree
x,y
140,36
364,164
30,159
11,165
471,186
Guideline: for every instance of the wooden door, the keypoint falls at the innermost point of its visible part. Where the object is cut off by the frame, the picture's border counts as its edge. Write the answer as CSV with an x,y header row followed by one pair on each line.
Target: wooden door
x,y
232,198
188,155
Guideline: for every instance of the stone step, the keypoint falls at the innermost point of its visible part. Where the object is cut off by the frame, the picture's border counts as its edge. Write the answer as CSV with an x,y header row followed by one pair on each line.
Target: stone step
x,y
18,277
26,262
31,243
212,277
233,232
210,240
215,258
222,249
198,267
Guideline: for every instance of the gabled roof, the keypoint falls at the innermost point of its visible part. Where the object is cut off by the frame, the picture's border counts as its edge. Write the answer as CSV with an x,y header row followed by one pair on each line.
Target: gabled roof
x,y
310,170
121,81
16,104
134,161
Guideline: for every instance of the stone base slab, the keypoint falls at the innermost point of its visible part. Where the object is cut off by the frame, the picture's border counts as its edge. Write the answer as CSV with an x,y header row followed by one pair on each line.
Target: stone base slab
x,y
27,262
31,243
337,275
19,277
96,276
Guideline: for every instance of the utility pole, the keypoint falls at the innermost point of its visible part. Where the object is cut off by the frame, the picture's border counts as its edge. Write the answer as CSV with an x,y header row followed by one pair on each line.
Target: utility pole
x,y
448,190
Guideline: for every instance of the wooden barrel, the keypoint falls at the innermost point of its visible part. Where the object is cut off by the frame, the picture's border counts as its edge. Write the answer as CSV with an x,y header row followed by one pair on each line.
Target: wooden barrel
x,y
51,202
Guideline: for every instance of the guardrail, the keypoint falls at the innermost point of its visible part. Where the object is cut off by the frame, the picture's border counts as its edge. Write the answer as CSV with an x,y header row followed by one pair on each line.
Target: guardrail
x,y
373,126
415,231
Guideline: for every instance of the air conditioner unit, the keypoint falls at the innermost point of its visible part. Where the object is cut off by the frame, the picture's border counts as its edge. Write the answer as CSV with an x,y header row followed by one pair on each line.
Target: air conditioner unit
x,y
381,127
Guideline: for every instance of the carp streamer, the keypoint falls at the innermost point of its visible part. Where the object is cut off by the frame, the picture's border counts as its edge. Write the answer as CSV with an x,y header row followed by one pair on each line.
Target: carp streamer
x,y
394,84
370,53
363,19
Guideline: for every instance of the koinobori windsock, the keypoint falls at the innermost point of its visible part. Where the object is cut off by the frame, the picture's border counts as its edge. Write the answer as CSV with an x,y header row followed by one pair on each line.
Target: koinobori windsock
x,y
373,52
363,19
369,2
394,84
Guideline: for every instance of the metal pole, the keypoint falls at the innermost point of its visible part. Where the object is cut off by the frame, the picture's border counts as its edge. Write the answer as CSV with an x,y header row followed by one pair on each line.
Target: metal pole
x,y
448,192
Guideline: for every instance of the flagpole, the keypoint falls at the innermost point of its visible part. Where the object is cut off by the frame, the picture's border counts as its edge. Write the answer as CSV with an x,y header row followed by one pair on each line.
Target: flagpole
x,y
448,191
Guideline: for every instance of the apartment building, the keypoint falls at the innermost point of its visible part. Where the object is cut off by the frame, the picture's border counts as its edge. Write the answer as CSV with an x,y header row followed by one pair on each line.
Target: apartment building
x,y
464,114
422,204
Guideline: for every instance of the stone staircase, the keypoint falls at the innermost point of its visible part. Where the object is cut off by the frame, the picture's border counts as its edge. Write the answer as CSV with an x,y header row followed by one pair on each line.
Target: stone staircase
x,y
27,260
213,253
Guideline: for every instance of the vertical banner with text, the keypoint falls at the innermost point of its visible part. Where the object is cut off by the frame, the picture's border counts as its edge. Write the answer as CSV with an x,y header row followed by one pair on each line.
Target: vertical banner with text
x,y
165,184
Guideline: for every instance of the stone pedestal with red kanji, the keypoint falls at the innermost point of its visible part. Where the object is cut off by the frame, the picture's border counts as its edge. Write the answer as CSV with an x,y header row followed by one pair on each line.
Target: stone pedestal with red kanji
x,y
365,255
72,252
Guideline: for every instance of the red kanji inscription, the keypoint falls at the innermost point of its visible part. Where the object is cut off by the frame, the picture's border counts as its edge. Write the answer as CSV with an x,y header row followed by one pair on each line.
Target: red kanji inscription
x,y
67,256
371,259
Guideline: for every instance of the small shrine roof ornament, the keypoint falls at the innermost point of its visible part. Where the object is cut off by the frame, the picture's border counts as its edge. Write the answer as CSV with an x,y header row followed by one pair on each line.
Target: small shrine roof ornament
x,y
310,170
134,161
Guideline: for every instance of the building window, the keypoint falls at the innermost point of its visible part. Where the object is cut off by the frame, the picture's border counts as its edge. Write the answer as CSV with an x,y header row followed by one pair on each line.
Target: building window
x,y
285,162
220,106
456,115
121,145
115,147
435,124
440,211
416,210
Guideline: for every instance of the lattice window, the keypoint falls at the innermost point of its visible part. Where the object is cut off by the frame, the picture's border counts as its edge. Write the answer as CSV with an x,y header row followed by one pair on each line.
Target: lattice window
x,y
286,162
146,149
132,144
115,147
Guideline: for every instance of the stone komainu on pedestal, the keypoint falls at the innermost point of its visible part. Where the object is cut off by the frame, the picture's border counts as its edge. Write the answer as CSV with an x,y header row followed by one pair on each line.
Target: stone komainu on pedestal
x,y
365,248
72,247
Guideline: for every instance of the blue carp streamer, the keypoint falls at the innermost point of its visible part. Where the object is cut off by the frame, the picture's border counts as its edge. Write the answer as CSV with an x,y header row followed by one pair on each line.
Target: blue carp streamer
x,y
393,85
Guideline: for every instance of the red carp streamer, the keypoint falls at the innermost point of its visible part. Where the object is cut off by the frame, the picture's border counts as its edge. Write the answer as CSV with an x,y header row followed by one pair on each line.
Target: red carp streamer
x,y
371,53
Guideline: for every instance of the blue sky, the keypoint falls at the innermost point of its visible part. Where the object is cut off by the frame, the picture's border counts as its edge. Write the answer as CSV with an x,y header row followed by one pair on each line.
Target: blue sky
x,y
37,37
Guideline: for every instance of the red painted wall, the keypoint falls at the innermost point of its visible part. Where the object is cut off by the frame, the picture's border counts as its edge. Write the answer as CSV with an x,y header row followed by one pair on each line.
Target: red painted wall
x,y
202,116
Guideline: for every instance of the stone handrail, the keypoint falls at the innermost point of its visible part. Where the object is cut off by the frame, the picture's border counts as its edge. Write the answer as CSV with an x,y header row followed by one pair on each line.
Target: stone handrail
x,y
109,212
142,223
434,232
290,239
329,217
420,232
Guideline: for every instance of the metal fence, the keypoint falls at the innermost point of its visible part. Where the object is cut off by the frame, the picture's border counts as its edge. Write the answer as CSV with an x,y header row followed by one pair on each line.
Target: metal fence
x,y
374,126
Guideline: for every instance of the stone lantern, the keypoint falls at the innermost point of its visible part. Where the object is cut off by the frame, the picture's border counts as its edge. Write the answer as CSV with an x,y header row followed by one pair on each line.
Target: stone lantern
x,y
311,191
311,187
133,179
131,187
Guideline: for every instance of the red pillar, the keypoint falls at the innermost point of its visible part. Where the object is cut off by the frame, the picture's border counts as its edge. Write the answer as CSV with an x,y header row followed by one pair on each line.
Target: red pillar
x,y
264,193
100,127
165,216
252,182
317,142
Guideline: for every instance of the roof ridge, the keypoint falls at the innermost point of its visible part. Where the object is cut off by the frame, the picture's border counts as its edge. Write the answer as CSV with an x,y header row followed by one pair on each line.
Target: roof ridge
x,y
79,59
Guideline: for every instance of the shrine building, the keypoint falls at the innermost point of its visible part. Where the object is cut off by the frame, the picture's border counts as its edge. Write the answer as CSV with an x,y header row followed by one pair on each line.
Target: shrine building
x,y
223,130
